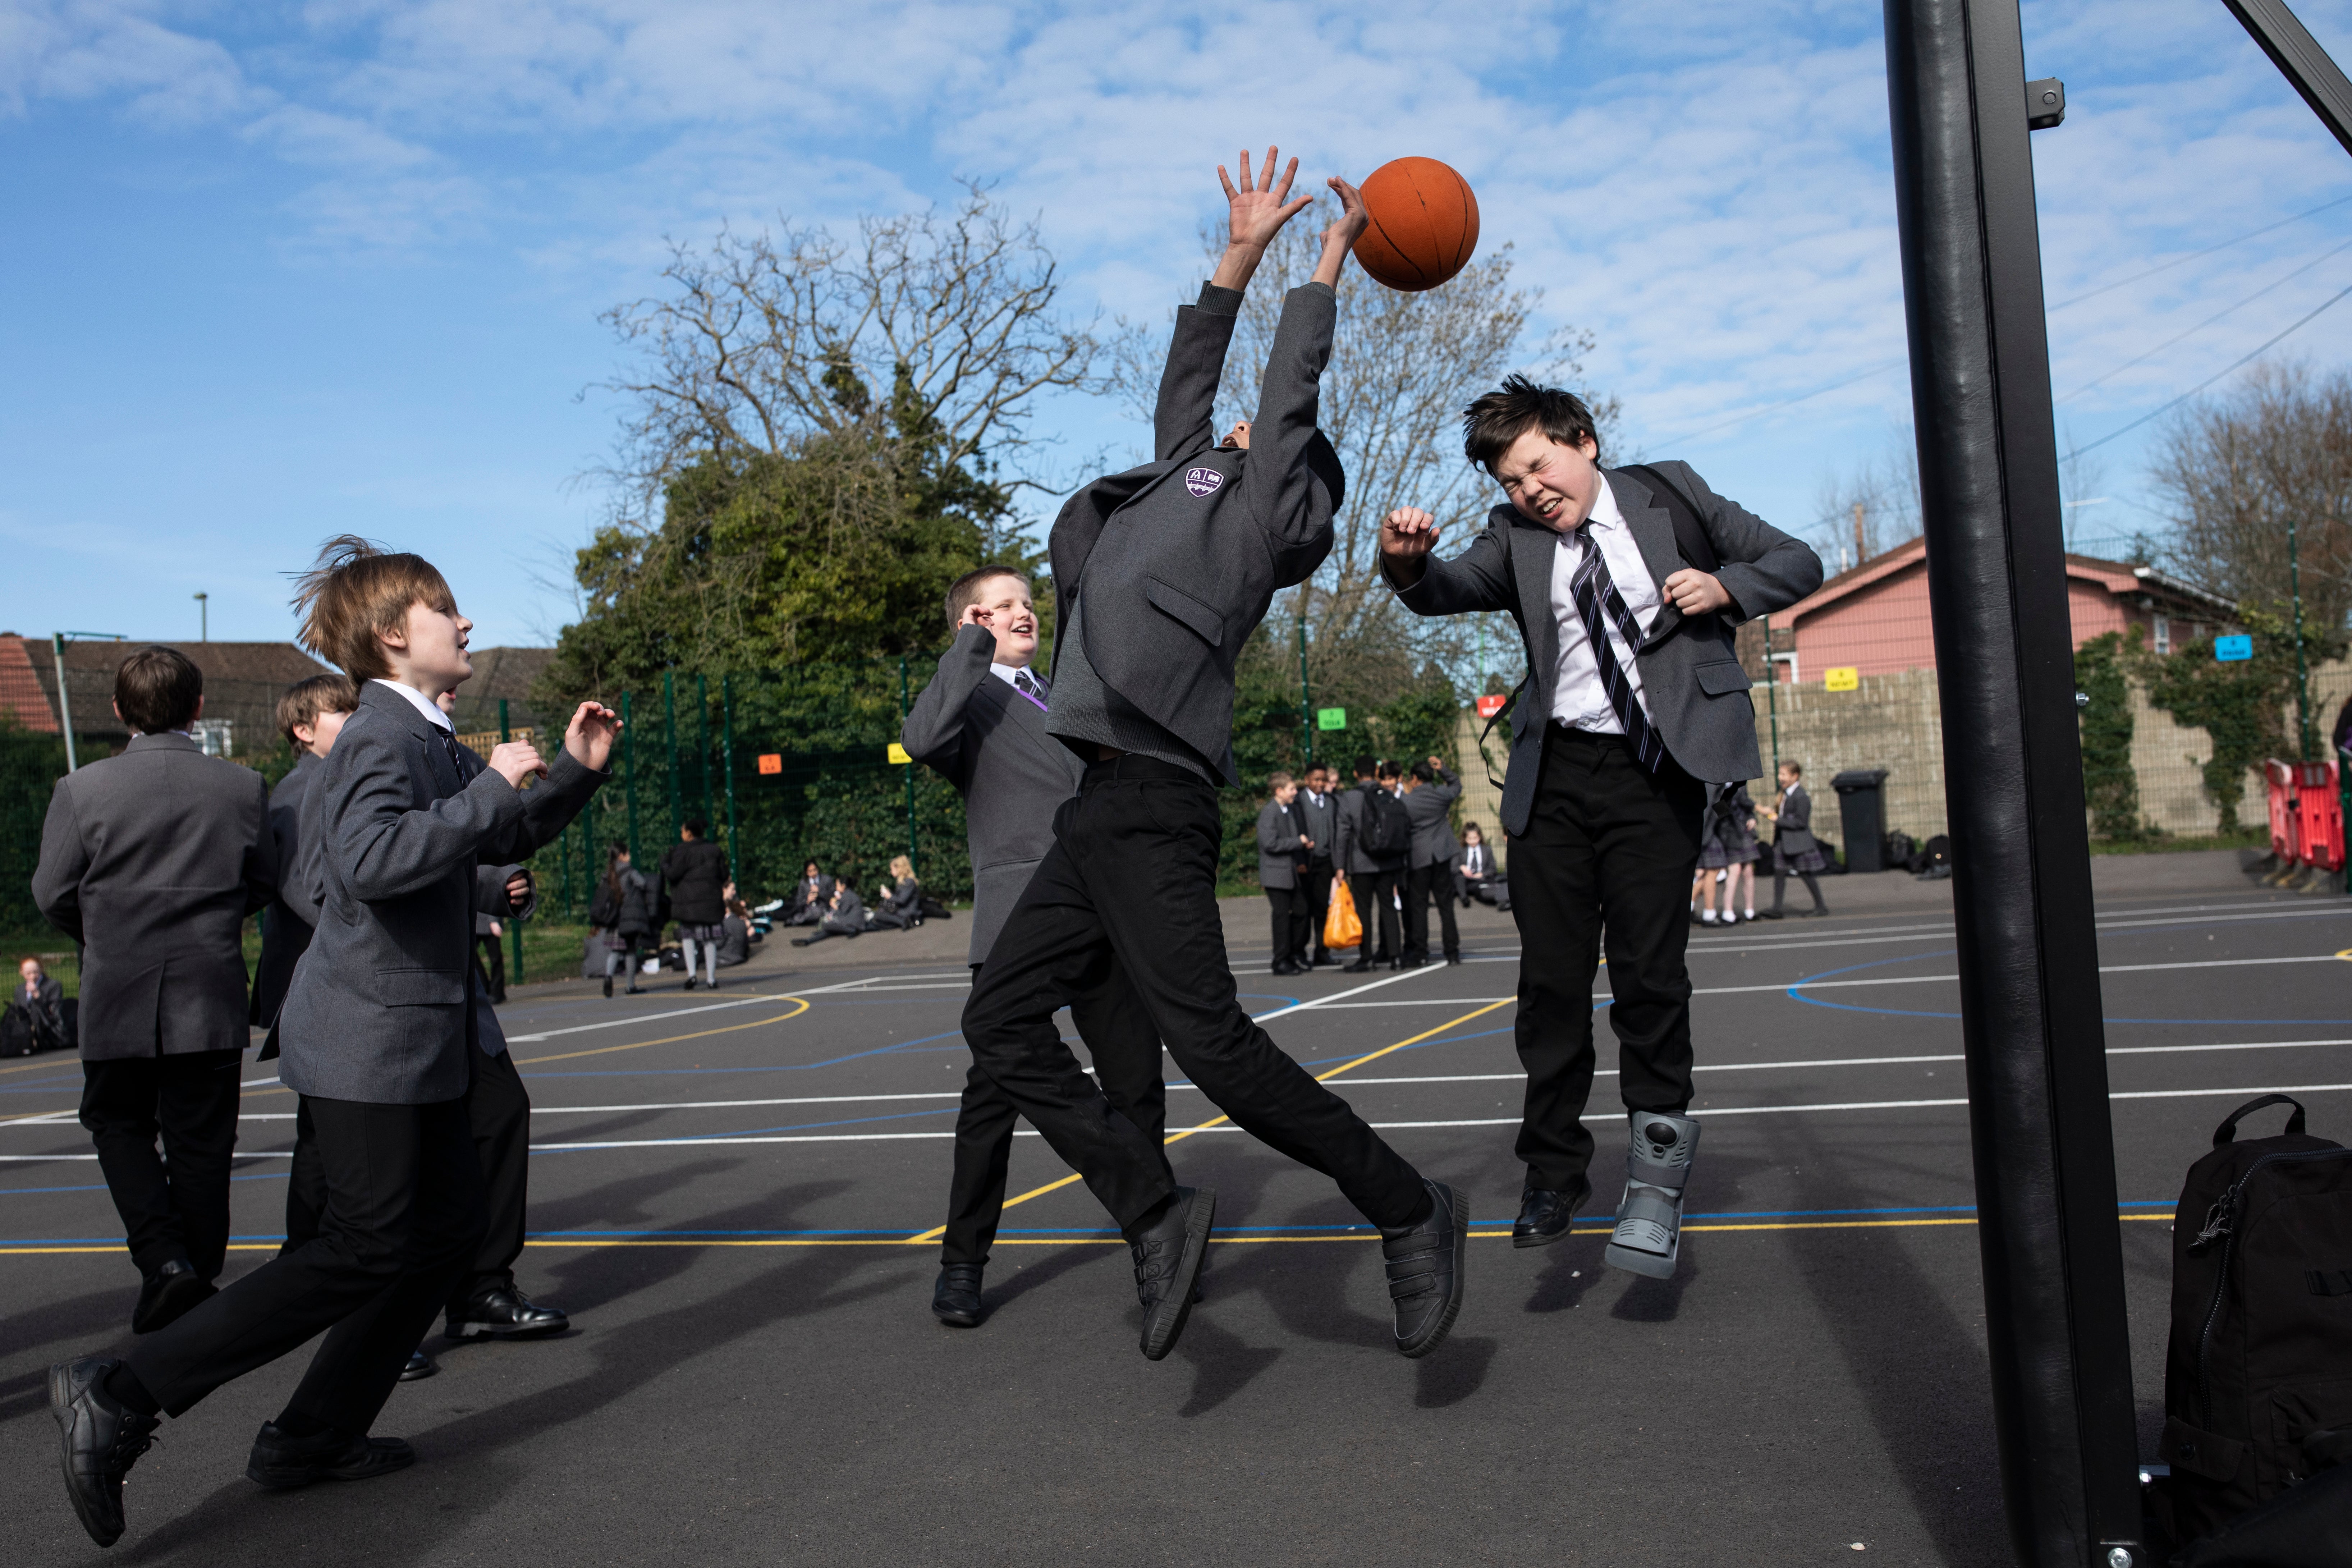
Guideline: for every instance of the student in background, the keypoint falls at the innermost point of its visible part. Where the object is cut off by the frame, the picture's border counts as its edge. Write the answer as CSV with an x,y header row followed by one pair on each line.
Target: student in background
x,y
1319,818
1477,873
310,714
1735,828
694,874
1283,846
152,860
811,896
899,906
1795,847
1429,863
1375,875
845,913
36,1012
630,892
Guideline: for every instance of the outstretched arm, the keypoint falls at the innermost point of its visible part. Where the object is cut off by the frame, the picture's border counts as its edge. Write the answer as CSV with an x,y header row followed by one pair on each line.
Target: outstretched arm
x,y
1257,210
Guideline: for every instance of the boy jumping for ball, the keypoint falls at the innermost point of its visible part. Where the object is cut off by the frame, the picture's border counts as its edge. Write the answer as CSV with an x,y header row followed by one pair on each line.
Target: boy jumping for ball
x,y
1162,573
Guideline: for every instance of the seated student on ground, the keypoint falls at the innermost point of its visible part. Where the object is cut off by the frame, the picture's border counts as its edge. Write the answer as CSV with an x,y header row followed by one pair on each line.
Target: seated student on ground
x,y
36,1011
1477,873
811,896
899,907
845,913
736,931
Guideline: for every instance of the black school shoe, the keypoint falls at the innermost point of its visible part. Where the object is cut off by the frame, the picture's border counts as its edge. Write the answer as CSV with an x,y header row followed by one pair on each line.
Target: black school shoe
x,y
167,1295
281,1463
955,1299
503,1314
1545,1215
1168,1266
420,1365
1424,1269
102,1441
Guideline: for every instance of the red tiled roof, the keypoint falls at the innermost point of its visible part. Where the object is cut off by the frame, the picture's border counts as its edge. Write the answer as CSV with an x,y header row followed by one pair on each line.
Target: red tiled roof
x,y
21,693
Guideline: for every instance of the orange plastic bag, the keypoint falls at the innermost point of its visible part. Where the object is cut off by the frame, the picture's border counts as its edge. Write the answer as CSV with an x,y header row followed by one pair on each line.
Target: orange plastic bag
x,y
1341,926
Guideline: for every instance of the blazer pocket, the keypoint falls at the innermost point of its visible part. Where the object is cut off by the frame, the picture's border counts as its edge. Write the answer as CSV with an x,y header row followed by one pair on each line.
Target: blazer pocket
x,y
1204,622
420,987
1722,678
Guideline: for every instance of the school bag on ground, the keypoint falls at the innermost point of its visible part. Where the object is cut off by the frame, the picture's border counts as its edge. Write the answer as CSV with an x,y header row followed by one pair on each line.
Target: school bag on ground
x,y
2258,1377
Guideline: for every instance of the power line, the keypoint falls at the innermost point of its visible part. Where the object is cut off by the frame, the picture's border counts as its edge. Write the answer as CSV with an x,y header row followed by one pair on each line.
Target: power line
x,y
2180,260
2209,320
2208,379
1785,403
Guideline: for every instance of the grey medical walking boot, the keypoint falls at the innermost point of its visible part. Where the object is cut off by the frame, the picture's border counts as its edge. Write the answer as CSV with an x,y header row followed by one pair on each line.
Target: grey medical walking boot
x,y
1649,1235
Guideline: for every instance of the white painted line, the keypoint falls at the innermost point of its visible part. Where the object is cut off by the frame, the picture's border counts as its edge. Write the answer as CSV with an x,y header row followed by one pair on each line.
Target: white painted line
x,y
652,1018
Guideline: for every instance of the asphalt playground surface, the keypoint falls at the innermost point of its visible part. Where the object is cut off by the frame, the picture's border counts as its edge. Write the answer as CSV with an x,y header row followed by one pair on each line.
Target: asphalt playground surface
x,y
732,1195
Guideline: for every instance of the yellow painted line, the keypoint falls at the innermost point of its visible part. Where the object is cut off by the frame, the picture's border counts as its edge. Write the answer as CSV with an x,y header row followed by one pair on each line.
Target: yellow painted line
x,y
1178,1136
1222,1240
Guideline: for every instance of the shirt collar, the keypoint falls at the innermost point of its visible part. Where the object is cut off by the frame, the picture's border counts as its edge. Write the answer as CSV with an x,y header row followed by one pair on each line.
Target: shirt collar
x,y
1005,672
1604,508
422,703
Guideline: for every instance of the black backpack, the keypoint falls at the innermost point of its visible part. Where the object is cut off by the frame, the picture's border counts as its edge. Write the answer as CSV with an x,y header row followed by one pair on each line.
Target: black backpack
x,y
604,909
1387,830
2258,1378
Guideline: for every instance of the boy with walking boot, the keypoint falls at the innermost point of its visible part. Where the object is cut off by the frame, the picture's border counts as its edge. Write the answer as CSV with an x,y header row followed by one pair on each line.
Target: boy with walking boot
x,y
1162,573
375,1034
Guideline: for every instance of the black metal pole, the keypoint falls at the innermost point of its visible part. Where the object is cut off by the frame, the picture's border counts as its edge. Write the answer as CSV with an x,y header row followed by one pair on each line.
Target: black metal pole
x,y
2301,61
2031,1012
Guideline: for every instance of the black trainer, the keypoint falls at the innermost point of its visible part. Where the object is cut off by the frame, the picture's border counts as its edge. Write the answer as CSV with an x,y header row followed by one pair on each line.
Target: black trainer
x,y
279,1462
1425,1268
102,1441
1545,1215
1168,1266
955,1299
504,1314
167,1295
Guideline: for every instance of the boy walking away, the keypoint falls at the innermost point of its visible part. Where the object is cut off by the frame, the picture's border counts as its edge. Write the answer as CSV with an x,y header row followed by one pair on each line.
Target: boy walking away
x,y
152,860
376,1031
695,873
1625,583
982,723
1283,844
310,714
1429,865
628,894
1164,572
1795,847
1375,839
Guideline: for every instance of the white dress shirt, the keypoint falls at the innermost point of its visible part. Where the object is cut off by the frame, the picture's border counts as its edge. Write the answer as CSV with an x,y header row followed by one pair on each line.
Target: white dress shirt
x,y
1578,699
422,703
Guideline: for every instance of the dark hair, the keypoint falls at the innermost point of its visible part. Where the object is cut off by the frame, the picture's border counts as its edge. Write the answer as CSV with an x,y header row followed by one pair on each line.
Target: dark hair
x,y
697,827
1474,828
613,867
1365,765
1493,422
1424,773
158,688
1388,770
813,866
965,590
302,702
1796,770
357,590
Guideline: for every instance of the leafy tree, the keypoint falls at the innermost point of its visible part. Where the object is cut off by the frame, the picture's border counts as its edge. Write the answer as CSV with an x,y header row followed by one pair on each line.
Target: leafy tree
x,y
2109,785
2242,705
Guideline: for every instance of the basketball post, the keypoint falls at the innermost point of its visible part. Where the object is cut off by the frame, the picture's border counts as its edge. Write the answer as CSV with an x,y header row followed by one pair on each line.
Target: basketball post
x,y
2030,1004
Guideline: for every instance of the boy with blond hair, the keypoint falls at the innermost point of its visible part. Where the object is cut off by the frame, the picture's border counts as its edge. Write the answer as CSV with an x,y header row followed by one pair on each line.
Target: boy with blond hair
x,y
377,1033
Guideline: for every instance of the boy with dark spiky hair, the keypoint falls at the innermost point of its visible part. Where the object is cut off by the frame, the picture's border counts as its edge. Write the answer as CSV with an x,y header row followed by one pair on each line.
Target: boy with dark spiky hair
x,y
378,1037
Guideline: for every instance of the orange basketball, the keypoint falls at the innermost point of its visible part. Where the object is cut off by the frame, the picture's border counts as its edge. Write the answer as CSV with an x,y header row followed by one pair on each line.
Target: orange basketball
x,y
1424,224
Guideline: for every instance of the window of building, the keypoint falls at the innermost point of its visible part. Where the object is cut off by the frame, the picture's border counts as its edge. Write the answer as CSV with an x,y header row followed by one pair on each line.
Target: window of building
x,y
2163,635
216,736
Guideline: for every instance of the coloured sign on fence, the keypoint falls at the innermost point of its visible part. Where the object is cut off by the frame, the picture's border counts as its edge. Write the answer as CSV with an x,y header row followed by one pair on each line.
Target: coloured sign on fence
x,y
898,753
772,762
2227,649
1846,678
1491,704
1330,718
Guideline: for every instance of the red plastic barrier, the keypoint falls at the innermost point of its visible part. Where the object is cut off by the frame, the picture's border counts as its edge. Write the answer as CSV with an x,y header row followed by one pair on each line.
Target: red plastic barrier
x,y
2320,814
2285,842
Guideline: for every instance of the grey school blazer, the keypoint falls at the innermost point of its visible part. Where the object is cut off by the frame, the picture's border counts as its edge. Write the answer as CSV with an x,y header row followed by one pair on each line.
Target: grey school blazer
x,y
152,860
382,1004
1280,852
1692,683
1429,809
1177,561
286,925
990,742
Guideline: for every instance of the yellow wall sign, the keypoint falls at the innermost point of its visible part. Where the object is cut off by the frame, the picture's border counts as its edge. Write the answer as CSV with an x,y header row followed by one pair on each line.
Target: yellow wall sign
x,y
1845,678
898,754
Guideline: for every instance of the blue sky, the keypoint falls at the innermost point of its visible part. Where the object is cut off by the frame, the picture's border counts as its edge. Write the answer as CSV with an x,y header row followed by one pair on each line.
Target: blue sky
x,y
276,271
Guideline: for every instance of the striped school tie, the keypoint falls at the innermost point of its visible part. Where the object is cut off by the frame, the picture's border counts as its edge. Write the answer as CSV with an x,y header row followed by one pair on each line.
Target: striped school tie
x,y
1596,597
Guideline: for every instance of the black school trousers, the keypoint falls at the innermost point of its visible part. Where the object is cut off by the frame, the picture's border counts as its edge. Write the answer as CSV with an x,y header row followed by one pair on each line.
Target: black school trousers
x,y
1132,879
176,1204
1422,885
403,1217
1606,862
1112,1021
498,1110
1316,884
1286,918
1376,894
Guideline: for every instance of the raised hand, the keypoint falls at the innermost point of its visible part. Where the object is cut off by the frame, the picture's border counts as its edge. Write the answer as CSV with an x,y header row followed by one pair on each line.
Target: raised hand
x,y
1339,237
1409,531
1257,211
515,761
590,737
974,616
